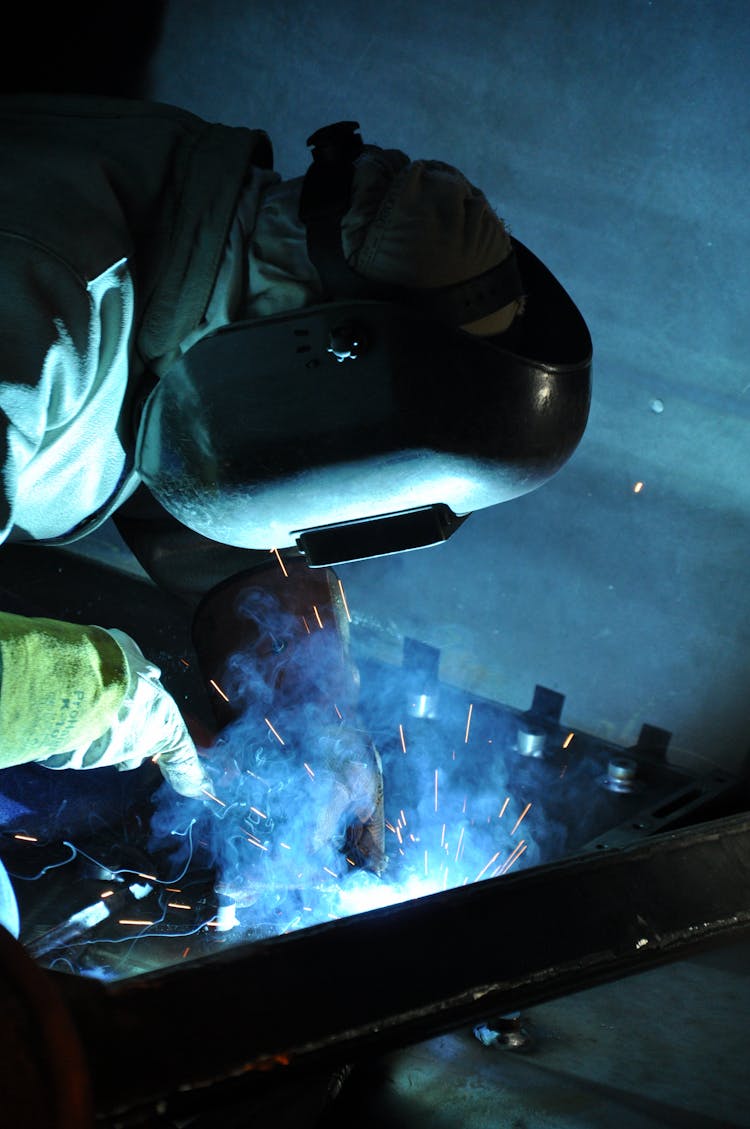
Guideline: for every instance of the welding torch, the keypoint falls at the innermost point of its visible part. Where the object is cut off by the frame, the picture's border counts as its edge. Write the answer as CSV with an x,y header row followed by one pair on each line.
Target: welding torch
x,y
68,931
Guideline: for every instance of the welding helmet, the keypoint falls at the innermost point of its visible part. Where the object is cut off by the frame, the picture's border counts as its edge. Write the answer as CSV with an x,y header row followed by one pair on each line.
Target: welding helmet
x,y
368,423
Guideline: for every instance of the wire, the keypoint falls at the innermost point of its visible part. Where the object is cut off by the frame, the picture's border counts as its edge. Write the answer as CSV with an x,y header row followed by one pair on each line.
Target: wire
x,y
144,935
122,870
138,873
52,866
63,960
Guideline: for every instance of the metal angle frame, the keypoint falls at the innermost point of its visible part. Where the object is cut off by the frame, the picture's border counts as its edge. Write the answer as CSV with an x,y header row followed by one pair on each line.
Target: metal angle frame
x,y
404,973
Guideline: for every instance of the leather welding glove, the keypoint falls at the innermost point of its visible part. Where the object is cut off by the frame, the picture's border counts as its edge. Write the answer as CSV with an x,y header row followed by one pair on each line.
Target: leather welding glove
x,y
74,696
416,223
148,725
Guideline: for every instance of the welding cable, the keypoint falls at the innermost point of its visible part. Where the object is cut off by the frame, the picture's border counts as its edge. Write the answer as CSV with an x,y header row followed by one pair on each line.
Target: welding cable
x,y
127,870
63,960
121,940
52,866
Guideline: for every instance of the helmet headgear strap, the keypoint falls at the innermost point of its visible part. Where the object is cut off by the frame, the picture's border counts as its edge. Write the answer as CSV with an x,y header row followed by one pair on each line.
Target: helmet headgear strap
x,y
325,200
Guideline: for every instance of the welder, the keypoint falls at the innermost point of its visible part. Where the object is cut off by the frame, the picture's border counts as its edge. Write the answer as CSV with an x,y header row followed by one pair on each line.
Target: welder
x,y
228,363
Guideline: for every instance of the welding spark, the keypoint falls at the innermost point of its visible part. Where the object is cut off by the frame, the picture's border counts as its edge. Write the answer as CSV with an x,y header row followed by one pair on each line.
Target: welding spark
x,y
281,563
178,905
317,616
331,872
256,777
211,796
442,837
343,597
276,735
514,857
425,864
638,487
350,861
487,866
257,811
338,711
398,834
501,813
133,921
218,689
309,771
106,893
26,838
307,626
285,846
390,827
403,817
256,842
185,663
460,841
436,789
403,739
568,739
185,952
468,723
514,854
523,813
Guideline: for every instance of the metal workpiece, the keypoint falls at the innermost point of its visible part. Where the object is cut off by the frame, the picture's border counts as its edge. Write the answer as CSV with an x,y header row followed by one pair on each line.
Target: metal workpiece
x,y
509,1032
622,776
431,965
530,740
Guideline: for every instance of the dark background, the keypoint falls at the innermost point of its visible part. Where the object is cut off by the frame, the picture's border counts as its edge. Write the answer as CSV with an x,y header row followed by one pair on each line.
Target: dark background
x,y
614,139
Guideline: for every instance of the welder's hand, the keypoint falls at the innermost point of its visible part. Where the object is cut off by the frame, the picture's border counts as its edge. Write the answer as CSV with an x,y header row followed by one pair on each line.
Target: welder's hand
x,y
148,725
350,810
422,224
410,223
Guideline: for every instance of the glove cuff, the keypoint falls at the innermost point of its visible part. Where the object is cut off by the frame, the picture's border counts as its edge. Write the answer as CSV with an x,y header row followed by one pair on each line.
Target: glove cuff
x,y
62,686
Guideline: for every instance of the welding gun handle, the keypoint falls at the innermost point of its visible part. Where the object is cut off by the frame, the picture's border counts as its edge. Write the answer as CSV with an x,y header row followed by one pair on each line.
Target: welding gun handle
x,y
68,931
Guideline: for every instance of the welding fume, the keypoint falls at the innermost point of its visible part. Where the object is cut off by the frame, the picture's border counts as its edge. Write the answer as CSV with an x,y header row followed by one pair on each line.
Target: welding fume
x,y
257,379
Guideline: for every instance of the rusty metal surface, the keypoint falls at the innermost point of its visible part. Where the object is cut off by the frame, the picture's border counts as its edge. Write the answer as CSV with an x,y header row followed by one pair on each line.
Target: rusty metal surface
x,y
401,974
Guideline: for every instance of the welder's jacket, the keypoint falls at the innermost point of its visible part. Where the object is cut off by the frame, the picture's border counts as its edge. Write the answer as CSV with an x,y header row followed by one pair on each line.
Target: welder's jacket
x,y
114,224
124,236
114,216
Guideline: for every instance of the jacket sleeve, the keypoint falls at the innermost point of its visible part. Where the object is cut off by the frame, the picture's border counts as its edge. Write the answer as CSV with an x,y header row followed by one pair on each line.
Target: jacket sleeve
x,y
44,339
